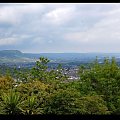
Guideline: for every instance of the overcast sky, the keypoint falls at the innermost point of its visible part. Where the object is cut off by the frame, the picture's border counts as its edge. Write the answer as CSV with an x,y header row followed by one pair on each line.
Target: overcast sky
x,y
38,27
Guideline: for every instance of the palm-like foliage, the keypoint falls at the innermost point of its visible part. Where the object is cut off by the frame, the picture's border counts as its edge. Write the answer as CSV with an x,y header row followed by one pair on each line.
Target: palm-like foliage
x,y
30,106
10,103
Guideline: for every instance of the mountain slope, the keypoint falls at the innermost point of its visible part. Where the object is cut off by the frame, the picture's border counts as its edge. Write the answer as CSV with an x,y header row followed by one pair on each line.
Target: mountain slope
x,y
13,56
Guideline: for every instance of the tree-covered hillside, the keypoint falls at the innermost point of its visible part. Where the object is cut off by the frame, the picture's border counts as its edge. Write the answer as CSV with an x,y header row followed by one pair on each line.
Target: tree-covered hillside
x,y
39,91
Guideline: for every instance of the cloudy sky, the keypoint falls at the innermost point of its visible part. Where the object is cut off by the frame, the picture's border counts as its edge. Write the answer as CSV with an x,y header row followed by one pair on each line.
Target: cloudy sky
x,y
58,28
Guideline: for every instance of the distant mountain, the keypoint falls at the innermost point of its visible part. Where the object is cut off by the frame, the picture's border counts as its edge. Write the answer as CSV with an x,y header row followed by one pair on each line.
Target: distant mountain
x,y
11,53
13,56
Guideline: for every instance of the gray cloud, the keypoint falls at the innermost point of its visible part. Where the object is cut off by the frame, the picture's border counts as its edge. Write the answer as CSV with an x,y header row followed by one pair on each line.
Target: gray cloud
x,y
60,27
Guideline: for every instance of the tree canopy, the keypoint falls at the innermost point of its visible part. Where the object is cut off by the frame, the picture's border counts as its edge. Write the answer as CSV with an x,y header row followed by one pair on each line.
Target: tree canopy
x,y
39,91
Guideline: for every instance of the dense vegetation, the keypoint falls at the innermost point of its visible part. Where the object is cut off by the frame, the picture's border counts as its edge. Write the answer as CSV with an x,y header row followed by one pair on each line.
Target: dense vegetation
x,y
39,91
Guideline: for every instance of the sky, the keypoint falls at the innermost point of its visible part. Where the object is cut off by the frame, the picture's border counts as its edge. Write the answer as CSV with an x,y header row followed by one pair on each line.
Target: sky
x,y
60,27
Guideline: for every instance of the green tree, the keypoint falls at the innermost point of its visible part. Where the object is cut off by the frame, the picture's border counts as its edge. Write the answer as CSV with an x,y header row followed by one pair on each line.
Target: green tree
x,y
40,69
70,101
103,79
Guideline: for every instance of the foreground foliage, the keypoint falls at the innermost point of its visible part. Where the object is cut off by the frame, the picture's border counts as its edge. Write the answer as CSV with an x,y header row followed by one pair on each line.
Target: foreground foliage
x,y
39,91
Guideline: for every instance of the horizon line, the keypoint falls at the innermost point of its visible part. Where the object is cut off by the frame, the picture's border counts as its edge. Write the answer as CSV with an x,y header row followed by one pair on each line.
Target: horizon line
x,y
59,52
